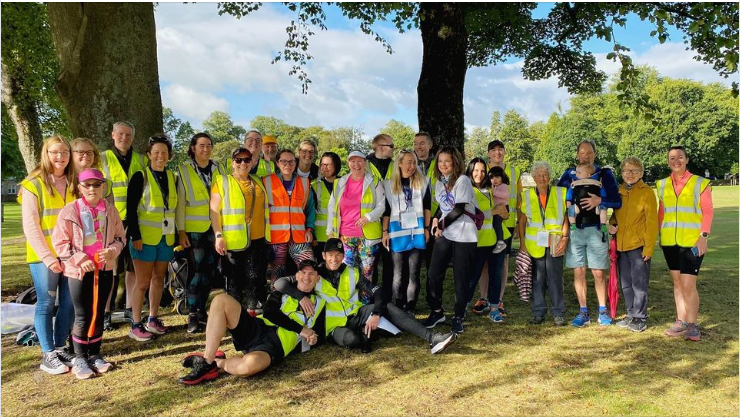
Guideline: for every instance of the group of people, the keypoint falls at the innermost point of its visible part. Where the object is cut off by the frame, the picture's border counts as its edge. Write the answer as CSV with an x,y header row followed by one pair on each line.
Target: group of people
x,y
320,238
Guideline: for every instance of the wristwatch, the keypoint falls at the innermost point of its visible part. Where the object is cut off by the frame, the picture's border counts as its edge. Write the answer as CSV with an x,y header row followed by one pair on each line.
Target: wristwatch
x,y
219,235
705,234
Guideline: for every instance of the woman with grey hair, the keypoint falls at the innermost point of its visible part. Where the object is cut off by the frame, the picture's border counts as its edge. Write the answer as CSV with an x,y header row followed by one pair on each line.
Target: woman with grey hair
x,y
543,233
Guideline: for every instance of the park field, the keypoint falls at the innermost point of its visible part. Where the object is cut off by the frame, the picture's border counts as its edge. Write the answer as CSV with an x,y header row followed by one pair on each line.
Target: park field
x,y
510,369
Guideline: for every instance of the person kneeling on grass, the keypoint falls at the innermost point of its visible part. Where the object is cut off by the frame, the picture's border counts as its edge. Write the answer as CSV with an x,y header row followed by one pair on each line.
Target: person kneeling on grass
x,y
265,340
348,321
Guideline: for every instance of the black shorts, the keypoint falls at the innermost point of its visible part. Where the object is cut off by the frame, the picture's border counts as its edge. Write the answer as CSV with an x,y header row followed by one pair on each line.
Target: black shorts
x,y
252,334
124,259
682,259
509,240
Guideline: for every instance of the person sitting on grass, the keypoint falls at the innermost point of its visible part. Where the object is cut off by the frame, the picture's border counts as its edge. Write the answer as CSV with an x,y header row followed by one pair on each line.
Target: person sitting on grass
x,y
348,322
264,340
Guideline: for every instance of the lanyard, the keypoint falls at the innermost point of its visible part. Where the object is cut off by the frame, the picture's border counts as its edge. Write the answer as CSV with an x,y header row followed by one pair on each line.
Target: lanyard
x,y
539,203
407,197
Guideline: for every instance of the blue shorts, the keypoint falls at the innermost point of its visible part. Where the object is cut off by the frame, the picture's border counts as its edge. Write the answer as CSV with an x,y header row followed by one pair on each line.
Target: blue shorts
x,y
587,245
153,253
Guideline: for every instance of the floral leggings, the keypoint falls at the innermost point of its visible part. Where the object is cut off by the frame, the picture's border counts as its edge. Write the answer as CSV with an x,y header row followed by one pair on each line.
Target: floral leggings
x,y
279,256
358,252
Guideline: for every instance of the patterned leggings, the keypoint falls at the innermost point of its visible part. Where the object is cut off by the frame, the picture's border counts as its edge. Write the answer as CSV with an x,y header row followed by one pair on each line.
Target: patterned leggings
x,y
201,258
279,256
358,252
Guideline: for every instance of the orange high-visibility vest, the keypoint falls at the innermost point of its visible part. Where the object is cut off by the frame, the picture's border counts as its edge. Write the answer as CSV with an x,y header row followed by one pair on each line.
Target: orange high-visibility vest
x,y
287,217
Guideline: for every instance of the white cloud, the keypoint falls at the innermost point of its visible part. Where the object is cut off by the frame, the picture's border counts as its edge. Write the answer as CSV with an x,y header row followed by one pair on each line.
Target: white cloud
x,y
193,105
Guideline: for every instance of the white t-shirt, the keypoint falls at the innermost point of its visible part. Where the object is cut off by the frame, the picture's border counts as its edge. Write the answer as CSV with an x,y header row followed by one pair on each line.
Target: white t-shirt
x,y
463,229
303,174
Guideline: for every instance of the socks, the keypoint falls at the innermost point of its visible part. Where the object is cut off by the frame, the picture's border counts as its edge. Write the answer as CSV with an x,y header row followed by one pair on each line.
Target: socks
x,y
602,309
584,310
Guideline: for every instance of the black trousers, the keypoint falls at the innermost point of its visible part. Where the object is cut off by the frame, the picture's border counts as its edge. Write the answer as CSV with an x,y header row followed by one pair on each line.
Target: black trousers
x,y
89,299
406,287
350,335
462,255
246,274
385,259
634,275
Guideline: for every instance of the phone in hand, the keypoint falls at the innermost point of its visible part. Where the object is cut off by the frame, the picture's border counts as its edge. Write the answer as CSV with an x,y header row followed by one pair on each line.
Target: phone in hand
x,y
695,251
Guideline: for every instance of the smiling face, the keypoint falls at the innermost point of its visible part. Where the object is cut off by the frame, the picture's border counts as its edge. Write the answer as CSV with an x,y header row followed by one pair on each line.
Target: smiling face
x,y
269,151
479,173
253,142
444,162
286,163
202,149
496,156
384,147
158,156
307,154
83,156
333,260
307,277
58,157
586,154
122,136
422,146
241,164
541,178
407,164
631,173
677,161
91,190
326,167
357,167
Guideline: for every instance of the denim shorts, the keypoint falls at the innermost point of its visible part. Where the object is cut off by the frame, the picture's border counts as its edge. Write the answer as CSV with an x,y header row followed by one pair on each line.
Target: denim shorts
x,y
153,253
587,245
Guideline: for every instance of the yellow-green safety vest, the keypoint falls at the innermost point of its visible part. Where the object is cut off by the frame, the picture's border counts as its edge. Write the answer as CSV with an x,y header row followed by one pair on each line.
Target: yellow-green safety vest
x,y
119,179
233,211
152,211
486,235
554,217
291,308
432,184
376,172
371,230
322,208
342,302
197,197
682,214
513,174
49,206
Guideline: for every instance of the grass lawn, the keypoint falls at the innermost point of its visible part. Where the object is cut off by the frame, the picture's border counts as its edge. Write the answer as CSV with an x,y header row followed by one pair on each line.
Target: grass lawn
x,y
493,369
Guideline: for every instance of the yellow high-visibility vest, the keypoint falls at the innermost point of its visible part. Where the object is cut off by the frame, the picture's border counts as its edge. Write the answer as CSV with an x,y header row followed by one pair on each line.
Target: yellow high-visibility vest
x,y
341,302
233,211
487,235
291,308
49,206
322,208
152,210
197,197
118,178
554,217
682,214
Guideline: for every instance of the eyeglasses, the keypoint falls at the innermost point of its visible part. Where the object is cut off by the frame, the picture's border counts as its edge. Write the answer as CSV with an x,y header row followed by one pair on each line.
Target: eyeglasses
x,y
638,171
240,160
59,153
81,153
306,151
91,185
287,162
391,146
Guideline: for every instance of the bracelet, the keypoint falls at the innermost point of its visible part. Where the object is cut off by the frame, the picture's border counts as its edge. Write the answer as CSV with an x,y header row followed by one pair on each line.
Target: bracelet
x,y
385,231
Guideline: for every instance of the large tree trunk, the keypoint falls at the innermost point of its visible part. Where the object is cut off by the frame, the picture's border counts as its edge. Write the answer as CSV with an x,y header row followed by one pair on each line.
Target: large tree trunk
x,y
443,68
108,57
25,118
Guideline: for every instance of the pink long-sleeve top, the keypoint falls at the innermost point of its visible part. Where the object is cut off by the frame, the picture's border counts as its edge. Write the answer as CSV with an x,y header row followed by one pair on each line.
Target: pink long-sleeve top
x,y
705,202
32,221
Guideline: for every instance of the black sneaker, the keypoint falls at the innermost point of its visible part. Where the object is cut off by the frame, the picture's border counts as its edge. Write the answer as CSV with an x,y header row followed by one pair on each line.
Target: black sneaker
x,y
559,321
637,325
457,326
202,372
536,320
193,324
435,317
624,323
367,345
128,315
187,361
108,322
65,356
202,317
441,341
51,364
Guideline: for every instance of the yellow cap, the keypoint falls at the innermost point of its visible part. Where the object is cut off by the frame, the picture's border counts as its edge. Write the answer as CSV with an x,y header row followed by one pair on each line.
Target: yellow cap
x,y
269,139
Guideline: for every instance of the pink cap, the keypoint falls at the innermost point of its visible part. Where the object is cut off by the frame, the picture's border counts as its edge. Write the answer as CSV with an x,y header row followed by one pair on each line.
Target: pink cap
x,y
91,174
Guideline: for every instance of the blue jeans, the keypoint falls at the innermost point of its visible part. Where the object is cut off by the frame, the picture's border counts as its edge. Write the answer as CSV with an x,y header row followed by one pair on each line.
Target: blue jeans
x,y
51,333
495,267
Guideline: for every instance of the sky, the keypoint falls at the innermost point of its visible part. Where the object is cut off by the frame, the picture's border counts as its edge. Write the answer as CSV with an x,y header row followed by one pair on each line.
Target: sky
x,y
209,62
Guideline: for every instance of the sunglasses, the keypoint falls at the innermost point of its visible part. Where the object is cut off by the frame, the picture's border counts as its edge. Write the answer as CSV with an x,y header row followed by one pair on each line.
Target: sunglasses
x,y
155,139
88,186
239,160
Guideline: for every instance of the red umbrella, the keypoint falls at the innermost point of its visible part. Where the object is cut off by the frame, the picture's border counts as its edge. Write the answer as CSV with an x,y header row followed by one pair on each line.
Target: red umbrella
x,y
613,278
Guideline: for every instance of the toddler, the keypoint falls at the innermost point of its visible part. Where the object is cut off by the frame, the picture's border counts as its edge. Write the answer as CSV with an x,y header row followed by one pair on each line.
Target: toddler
x,y
500,195
580,189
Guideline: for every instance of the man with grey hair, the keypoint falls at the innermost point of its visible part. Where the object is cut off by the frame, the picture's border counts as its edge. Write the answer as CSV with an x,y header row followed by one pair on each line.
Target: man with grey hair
x,y
253,142
587,244
119,163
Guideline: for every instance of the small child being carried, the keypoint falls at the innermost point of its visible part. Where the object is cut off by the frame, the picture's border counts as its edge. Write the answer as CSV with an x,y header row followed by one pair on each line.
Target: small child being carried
x,y
581,189
500,194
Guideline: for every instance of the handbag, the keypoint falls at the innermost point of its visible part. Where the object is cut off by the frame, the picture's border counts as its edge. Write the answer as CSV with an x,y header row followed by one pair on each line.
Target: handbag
x,y
478,217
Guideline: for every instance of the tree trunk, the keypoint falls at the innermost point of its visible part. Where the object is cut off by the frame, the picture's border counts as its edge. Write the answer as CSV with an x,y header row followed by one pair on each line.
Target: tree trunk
x,y
25,118
443,68
108,57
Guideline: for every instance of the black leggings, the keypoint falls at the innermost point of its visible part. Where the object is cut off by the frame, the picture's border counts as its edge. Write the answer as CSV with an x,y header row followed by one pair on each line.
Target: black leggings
x,y
245,273
406,287
350,335
89,299
462,255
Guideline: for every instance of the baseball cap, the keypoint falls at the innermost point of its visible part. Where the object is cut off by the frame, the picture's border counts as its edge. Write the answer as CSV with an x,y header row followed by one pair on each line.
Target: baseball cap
x,y
91,174
269,139
308,263
239,151
334,244
356,154
495,143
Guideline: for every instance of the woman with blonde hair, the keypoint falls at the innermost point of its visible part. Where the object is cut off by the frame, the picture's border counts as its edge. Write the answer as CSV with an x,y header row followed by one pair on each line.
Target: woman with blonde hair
x,y
405,226
42,196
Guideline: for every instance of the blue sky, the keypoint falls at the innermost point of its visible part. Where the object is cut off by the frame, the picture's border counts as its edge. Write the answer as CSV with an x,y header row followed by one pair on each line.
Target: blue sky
x,y
209,62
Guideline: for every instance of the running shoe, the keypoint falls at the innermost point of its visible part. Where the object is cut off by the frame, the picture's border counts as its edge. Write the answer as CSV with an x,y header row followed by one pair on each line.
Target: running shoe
x,y
155,326
693,333
441,341
435,317
108,322
99,365
500,246
581,320
637,325
496,316
65,356
624,323
81,369
481,307
501,309
457,325
187,361
139,333
51,364
193,324
128,316
536,320
604,318
201,372
559,321
678,329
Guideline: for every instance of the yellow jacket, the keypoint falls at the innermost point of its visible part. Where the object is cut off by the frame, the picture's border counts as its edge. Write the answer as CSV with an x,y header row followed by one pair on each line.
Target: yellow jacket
x,y
637,218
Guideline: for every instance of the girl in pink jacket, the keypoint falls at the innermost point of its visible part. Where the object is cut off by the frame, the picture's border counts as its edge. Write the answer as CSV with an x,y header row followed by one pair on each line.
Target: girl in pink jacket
x,y
88,237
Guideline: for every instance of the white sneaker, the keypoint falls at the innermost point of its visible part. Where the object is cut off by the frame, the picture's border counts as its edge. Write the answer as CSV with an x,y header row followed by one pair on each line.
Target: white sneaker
x,y
81,369
99,365
500,246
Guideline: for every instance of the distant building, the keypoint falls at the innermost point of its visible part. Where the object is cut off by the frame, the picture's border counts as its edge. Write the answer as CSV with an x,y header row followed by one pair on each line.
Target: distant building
x,y
9,190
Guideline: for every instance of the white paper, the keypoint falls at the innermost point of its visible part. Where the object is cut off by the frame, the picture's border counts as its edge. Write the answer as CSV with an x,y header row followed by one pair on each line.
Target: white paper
x,y
408,220
386,325
168,225
542,237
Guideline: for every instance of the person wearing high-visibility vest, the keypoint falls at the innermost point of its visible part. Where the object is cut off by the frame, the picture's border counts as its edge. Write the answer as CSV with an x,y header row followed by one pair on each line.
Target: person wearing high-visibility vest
x,y
496,154
587,246
239,219
261,167
349,323
306,155
329,167
544,235
42,195
456,234
380,165
423,144
193,220
635,225
286,327
87,237
151,204
118,165
269,148
486,270
355,209
405,228
292,215
685,214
